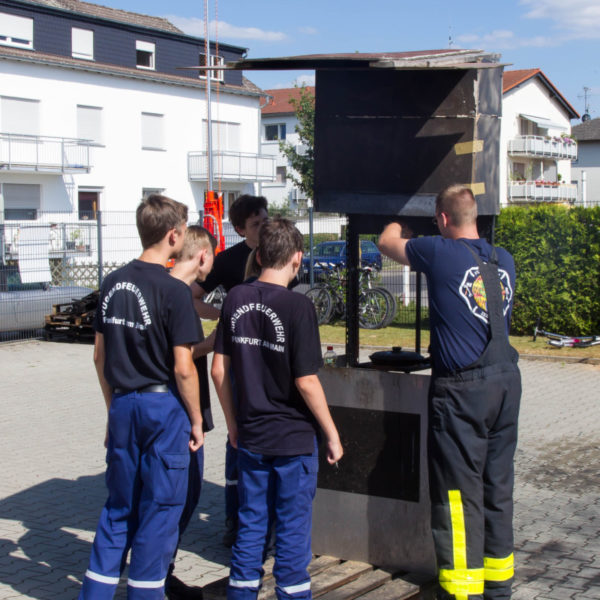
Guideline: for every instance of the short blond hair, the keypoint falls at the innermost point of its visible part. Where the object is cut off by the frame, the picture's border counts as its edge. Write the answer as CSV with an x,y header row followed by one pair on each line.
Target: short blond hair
x,y
196,238
458,202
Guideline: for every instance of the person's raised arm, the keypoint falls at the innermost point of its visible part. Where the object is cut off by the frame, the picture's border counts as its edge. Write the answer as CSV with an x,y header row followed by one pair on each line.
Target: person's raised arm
x,y
220,373
203,309
311,390
186,378
205,346
392,244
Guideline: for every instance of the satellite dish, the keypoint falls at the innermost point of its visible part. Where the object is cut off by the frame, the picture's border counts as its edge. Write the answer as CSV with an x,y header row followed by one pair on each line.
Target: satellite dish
x,y
586,117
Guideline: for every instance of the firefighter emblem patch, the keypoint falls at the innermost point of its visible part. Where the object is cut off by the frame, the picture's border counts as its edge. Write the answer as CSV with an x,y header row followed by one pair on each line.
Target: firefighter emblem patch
x,y
473,292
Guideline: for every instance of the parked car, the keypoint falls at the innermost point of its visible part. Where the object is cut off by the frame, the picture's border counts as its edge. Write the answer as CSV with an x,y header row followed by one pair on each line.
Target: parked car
x,y
24,306
334,254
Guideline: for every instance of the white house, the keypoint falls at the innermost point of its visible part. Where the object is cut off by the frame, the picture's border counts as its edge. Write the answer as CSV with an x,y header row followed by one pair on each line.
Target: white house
x,y
536,147
96,111
279,123
586,169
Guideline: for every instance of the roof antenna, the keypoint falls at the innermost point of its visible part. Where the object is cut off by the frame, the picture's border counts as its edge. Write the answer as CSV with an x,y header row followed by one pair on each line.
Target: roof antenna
x,y
586,114
450,40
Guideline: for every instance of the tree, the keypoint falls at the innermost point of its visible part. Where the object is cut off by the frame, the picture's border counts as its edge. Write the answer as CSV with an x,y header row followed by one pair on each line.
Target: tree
x,y
302,163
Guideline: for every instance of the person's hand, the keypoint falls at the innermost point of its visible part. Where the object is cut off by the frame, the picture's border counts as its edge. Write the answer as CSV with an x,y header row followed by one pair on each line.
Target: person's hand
x,y
232,436
196,438
334,450
210,341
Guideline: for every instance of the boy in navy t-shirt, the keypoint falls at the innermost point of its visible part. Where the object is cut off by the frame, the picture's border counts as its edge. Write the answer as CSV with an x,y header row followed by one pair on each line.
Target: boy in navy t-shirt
x,y
269,336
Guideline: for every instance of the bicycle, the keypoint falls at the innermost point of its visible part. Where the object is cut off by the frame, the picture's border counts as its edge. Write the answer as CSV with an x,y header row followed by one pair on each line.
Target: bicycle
x,y
376,306
216,297
566,341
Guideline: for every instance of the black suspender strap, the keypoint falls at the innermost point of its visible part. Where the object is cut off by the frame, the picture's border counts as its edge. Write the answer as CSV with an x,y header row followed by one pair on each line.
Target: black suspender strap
x,y
493,291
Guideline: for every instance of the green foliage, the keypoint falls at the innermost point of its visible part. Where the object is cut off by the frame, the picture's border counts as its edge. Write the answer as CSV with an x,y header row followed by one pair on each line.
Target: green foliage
x,y
303,164
557,257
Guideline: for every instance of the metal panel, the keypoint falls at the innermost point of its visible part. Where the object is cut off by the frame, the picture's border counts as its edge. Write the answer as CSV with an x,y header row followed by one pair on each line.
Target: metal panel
x,y
385,531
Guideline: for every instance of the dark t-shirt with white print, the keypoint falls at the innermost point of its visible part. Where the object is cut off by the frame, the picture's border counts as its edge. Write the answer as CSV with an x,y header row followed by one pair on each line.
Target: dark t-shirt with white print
x,y
143,312
272,337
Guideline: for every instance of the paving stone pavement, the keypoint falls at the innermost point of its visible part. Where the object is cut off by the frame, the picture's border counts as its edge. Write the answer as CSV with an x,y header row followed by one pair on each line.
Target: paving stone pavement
x,y
52,489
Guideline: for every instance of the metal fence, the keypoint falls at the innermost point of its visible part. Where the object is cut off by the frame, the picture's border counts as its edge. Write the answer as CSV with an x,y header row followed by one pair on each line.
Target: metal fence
x,y
62,256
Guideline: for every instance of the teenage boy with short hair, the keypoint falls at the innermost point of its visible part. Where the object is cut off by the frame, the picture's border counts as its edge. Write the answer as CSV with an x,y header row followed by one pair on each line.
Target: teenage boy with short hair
x,y
269,336
246,214
145,329
194,264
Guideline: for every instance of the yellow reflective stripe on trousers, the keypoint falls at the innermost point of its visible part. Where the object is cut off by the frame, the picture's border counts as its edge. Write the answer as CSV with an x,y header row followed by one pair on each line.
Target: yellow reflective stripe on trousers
x,y
460,581
499,569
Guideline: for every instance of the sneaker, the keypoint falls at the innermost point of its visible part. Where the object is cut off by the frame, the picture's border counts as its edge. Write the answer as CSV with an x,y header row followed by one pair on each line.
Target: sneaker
x,y
230,532
175,589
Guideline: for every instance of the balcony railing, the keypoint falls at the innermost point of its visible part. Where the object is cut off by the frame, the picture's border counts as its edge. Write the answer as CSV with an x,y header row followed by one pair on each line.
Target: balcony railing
x,y
232,166
43,154
551,147
535,191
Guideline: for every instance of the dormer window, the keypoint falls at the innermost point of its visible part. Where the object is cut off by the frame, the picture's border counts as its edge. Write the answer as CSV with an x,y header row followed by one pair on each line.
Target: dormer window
x,y
145,55
215,61
16,31
82,43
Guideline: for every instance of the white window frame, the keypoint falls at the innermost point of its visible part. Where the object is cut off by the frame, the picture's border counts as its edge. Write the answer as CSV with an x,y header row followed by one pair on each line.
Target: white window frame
x,y
281,175
148,48
153,131
215,61
226,135
16,31
280,127
24,112
82,43
90,123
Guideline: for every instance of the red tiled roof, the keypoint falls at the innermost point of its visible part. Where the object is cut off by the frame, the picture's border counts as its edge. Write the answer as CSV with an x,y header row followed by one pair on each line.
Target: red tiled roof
x,y
280,102
512,79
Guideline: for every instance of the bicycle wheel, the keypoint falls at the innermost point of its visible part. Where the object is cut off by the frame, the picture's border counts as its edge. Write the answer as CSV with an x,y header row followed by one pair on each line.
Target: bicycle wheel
x,y
216,297
372,309
321,298
392,305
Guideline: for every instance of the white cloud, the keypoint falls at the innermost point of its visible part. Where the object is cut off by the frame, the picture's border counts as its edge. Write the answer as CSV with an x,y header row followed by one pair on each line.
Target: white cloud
x,y
503,39
195,26
308,30
301,80
576,18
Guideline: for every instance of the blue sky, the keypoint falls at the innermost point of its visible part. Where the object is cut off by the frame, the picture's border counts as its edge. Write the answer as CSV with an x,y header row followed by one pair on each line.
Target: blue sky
x,y
562,37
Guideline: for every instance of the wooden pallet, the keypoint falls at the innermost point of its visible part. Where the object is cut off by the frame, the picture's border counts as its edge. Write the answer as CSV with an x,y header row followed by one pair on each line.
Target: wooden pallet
x,y
334,579
73,319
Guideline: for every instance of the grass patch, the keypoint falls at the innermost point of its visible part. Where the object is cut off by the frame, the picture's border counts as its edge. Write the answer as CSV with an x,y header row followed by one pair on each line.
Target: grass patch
x,y
398,334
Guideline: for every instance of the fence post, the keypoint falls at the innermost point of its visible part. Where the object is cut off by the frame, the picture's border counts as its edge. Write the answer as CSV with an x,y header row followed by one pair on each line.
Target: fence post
x,y
311,269
99,237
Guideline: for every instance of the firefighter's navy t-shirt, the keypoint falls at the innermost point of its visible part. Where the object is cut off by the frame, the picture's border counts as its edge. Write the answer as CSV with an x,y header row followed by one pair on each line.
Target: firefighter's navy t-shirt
x,y
272,337
457,303
228,268
143,312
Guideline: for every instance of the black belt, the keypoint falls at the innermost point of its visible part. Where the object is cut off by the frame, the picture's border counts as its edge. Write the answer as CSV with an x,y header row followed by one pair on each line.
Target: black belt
x,y
157,388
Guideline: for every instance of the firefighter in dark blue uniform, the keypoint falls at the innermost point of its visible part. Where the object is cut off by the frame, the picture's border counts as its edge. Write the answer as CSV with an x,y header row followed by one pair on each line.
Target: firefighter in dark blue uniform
x,y
145,328
473,399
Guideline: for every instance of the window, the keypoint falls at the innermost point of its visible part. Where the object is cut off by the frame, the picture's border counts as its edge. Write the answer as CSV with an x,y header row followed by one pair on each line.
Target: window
x,y
281,173
144,54
21,201
273,132
82,43
152,132
225,136
89,123
20,115
16,31
215,61
88,204
149,191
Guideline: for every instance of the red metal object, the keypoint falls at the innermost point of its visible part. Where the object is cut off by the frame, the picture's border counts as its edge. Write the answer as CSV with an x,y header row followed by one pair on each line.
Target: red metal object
x,y
213,217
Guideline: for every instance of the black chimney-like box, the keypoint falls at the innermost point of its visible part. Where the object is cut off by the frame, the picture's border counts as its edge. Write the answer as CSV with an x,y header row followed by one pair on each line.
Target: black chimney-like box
x,y
388,140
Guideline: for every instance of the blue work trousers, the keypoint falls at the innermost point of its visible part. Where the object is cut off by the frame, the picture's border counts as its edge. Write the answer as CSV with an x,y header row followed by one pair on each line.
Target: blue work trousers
x,y
284,486
147,480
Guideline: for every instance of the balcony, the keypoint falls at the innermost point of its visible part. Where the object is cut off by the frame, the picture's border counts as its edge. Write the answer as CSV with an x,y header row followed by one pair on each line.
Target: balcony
x,y
232,166
561,148
540,191
43,154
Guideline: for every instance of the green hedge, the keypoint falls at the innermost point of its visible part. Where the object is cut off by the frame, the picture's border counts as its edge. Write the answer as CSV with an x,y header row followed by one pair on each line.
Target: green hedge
x,y
557,257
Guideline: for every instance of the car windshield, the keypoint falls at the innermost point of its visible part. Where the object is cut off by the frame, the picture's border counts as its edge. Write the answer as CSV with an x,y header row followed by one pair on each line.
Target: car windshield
x,y
329,249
